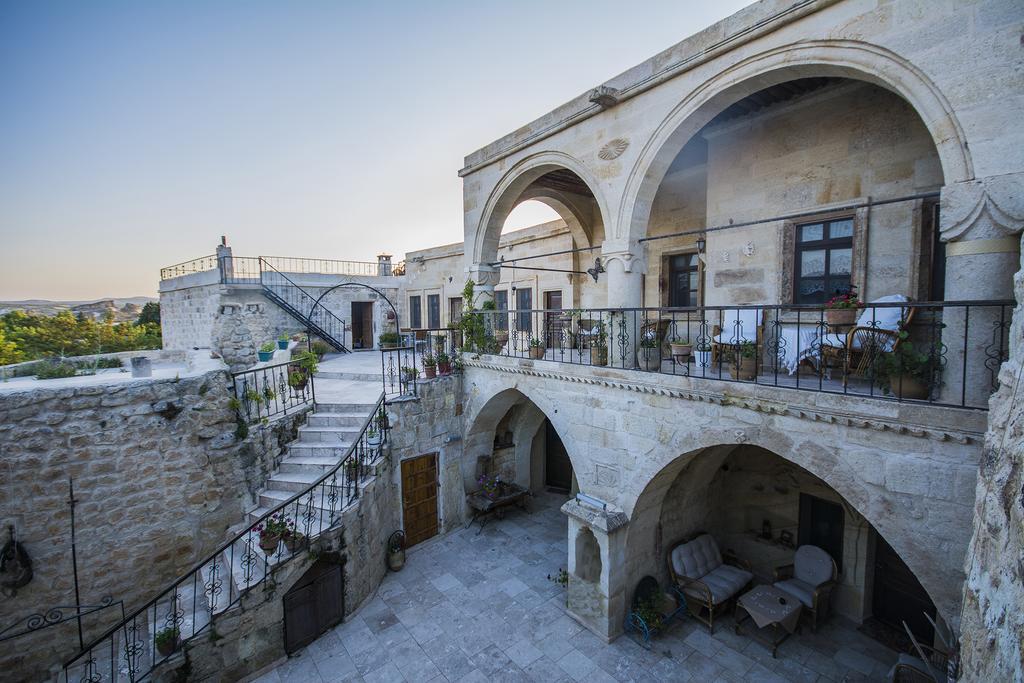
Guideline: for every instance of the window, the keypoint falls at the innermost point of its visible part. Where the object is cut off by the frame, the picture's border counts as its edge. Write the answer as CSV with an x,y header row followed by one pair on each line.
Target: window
x,y
683,278
501,305
824,259
434,311
524,302
415,313
454,309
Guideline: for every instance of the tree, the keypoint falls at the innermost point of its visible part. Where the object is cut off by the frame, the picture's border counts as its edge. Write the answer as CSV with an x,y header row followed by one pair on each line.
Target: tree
x,y
9,352
150,314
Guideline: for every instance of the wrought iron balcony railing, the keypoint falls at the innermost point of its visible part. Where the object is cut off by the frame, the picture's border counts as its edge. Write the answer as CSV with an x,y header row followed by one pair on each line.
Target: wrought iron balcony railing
x,y
246,269
196,265
940,353
267,392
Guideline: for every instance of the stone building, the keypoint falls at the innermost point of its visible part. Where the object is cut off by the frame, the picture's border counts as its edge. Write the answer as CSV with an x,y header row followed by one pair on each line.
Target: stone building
x,y
717,196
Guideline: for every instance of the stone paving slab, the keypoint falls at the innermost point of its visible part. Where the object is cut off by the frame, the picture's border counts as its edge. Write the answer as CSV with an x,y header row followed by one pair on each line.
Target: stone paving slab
x,y
480,608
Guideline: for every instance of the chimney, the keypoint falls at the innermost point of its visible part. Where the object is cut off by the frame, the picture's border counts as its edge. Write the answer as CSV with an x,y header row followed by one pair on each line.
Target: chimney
x,y
383,264
224,262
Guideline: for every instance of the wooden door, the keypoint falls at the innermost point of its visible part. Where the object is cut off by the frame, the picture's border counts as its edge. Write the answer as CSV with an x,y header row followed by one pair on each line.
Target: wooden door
x,y
314,605
419,498
558,467
821,524
553,319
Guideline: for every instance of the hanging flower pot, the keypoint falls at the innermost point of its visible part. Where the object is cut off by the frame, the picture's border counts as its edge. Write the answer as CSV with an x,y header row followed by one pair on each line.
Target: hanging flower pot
x,y
168,640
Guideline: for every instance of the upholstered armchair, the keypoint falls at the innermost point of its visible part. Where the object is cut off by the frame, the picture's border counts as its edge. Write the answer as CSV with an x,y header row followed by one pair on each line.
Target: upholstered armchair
x,y
704,579
810,579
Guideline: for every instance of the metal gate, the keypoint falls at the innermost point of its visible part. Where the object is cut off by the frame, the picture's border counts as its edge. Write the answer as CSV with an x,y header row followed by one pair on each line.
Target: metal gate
x,y
313,605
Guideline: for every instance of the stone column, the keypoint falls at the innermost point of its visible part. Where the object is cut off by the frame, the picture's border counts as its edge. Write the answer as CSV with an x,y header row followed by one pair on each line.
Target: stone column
x,y
980,222
624,271
597,592
224,262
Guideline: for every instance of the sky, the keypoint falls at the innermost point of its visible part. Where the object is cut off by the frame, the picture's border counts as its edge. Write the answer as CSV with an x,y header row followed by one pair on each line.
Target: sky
x,y
134,134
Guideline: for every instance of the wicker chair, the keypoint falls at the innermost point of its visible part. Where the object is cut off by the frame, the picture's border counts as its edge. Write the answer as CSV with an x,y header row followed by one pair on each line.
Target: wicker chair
x,y
877,331
587,331
705,579
810,579
911,669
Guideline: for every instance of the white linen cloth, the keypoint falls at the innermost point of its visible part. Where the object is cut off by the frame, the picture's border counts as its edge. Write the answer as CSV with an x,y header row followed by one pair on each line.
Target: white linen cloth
x,y
796,344
764,606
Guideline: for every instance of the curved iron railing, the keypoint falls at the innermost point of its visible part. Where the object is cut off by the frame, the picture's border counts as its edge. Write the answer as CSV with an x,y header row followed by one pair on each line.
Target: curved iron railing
x,y
265,392
196,265
130,650
302,306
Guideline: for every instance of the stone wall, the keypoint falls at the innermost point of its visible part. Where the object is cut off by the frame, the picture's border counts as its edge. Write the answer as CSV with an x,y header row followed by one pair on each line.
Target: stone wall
x,y
187,314
159,477
992,644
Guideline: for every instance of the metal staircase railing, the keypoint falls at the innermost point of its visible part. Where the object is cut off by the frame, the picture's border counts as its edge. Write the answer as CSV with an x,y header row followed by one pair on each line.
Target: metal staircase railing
x,y
149,636
302,306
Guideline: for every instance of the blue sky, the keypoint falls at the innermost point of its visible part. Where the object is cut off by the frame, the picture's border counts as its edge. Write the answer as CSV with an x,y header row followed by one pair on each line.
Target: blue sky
x,y
134,134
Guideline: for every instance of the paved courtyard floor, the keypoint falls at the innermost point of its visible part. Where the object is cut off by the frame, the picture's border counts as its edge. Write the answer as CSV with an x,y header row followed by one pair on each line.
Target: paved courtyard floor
x,y
471,608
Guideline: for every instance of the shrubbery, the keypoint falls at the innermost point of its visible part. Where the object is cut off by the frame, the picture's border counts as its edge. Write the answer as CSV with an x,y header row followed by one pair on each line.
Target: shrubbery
x,y
28,336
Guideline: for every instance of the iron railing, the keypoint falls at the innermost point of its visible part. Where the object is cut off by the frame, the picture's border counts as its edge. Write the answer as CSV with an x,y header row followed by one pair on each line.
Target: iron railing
x,y
941,353
196,265
400,370
303,306
292,264
264,393
149,636
240,270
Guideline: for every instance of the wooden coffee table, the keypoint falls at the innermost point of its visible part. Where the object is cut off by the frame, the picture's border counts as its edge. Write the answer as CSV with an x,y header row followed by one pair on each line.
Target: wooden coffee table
x,y
768,615
485,507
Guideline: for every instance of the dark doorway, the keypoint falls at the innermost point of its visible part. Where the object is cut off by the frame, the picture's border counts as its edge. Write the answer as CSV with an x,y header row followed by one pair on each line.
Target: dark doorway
x,y
553,319
314,605
821,524
362,325
899,596
683,280
558,467
419,498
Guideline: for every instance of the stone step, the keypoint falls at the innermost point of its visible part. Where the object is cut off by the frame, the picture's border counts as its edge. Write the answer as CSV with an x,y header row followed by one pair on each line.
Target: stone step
x,y
293,481
376,378
303,463
351,420
324,450
363,409
327,435
317,517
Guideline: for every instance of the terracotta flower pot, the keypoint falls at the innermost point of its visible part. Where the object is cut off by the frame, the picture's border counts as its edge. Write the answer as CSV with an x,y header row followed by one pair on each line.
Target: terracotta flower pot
x,y
841,316
537,352
444,368
599,355
269,542
294,541
745,369
906,386
650,359
681,352
430,371
168,647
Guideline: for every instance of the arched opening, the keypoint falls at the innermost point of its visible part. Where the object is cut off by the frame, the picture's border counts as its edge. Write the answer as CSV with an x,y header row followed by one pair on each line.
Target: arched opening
x,y
588,557
528,214
761,507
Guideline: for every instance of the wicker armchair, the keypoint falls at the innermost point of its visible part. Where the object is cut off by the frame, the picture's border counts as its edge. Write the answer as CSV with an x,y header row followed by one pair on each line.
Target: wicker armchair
x,y
739,326
877,331
810,579
911,669
706,580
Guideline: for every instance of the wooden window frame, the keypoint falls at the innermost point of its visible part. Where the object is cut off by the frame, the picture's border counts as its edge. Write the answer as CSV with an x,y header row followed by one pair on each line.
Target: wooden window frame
x,y
501,321
528,328
415,321
788,274
430,321
667,269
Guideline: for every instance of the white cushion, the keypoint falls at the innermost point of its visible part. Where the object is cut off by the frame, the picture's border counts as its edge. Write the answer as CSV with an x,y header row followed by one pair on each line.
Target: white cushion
x,y
696,558
738,325
724,582
812,565
802,591
884,318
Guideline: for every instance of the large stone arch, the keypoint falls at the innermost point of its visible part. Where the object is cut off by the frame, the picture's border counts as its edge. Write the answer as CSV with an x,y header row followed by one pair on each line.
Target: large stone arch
x,y
836,58
483,414
826,463
482,244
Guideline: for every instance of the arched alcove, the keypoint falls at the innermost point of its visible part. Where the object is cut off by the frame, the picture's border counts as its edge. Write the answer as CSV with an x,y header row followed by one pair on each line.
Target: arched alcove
x,y
588,557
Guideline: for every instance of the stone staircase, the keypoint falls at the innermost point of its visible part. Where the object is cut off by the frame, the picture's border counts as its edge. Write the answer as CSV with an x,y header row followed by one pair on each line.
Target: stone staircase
x,y
333,431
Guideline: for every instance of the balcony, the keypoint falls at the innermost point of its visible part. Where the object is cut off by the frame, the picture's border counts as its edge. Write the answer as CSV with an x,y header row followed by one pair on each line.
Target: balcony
x,y
939,353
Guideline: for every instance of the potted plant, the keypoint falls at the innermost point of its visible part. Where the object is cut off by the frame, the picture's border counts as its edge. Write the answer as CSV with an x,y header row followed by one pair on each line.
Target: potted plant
x,y
429,366
444,363
320,348
282,342
297,380
388,340
396,551
842,308
650,353
373,435
905,372
271,532
306,361
702,355
536,349
744,364
681,349
457,363
409,374
293,538
266,352
168,640
599,347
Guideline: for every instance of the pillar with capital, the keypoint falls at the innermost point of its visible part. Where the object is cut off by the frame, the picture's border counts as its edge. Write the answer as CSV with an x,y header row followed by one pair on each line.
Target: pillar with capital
x,y
624,273
981,221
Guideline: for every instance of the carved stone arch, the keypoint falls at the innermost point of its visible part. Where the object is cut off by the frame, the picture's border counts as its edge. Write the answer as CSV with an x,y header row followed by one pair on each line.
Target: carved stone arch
x,y
569,209
483,245
835,58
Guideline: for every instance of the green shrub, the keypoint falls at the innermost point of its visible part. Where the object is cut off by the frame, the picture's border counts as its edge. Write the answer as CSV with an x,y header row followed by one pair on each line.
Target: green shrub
x,y
55,370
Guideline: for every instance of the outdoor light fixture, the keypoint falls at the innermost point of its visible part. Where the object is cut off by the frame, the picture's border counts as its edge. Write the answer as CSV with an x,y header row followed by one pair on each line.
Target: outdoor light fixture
x,y
591,501
701,243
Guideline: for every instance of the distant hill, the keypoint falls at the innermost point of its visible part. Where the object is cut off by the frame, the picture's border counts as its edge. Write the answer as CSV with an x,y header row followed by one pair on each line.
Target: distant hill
x,y
125,308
